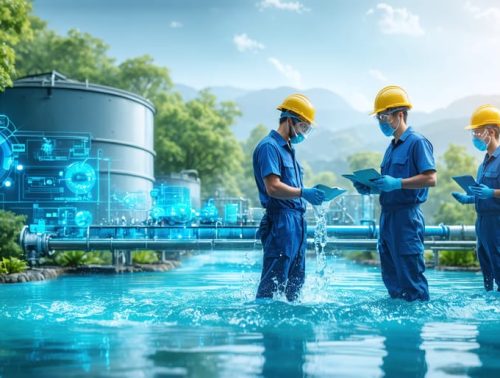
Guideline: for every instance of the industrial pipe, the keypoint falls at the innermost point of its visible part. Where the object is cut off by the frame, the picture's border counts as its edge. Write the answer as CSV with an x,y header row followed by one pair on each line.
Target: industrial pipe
x,y
191,238
369,231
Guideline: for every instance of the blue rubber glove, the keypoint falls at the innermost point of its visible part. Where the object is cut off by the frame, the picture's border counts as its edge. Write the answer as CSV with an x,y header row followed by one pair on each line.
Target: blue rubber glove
x,y
362,189
463,198
313,196
482,191
388,183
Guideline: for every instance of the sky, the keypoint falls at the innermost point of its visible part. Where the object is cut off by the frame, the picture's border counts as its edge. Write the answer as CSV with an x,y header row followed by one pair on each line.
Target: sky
x,y
438,50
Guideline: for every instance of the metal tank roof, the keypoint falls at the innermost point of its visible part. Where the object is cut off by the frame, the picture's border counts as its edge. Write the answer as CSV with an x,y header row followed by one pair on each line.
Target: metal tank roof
x,y
55,79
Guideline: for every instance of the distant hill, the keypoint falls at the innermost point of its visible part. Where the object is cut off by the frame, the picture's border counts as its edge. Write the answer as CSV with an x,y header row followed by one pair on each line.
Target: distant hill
x,y
342,130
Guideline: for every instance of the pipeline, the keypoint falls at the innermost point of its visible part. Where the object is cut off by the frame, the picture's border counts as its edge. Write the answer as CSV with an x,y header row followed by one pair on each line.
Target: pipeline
x,y
367,231
362,237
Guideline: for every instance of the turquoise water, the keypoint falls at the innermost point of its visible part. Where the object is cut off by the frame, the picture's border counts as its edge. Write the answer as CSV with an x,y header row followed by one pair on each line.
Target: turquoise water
x,y
201,320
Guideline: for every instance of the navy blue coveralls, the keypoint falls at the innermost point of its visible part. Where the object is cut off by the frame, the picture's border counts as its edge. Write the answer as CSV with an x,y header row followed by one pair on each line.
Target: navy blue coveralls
x,y
402,226
488,221
283,228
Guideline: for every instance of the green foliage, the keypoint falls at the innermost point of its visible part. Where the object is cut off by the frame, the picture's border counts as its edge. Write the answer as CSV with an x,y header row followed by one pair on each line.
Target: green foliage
x,y
9,265
326,178
71,258
197,135
141,76
144,257
363,160
14,27
78,258
458,258
361,255
79,56
428,256
247,180
10,227
441,206
98,258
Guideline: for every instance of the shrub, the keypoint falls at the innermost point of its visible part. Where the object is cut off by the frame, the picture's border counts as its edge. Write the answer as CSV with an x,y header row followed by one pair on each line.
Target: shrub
x,y
144,257
428,255
361,255
458,258
10,227
10,265
71,258
98,258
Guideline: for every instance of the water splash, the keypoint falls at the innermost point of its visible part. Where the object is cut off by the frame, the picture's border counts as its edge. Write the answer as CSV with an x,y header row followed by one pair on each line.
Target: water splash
x,y
323,272
320,238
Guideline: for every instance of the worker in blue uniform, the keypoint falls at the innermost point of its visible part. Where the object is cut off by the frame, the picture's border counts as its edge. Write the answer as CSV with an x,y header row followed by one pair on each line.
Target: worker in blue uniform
x,y
279,179
485,129
408,170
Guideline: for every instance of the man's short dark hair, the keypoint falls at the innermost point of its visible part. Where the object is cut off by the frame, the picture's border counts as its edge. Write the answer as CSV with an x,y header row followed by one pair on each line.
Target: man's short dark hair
x,y
394,111
496,129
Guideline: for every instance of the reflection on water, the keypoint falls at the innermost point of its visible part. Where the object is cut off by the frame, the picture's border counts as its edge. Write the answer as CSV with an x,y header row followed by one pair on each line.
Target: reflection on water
x,y
405,356
202,320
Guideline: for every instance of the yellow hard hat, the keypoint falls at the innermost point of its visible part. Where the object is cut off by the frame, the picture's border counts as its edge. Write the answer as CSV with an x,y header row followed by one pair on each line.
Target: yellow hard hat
x,y
391,96
299,104
484,115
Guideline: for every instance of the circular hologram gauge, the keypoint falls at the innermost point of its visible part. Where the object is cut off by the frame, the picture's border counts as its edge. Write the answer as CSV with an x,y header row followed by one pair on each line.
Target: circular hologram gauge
x,y
83,218
80,178
157,213
6,159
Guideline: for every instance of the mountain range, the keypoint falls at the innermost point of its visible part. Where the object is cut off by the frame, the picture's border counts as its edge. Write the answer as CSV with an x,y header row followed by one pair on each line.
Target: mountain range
x,y
341,129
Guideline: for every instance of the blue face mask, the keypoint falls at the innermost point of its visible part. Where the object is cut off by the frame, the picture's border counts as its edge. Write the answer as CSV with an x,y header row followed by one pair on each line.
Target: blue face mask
x,y
480,144
386,128
297,138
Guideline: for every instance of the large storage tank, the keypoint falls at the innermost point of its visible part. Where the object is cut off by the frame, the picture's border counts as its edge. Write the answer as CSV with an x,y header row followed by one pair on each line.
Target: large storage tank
x,y
120,128
187,178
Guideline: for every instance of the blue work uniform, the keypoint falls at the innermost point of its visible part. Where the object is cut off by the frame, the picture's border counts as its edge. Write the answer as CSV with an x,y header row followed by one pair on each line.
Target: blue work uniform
x,y
402,225
488,221
283,228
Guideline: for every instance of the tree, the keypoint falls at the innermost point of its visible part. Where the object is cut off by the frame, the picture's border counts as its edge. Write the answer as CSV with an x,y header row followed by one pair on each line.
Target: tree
x,y
363,160
14,27
10,227
247,180
441,206
197,135
141,76
325,177
79,56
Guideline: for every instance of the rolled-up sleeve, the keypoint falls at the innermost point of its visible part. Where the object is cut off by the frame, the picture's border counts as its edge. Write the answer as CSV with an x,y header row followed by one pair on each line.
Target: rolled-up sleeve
x,y
269,161
423,156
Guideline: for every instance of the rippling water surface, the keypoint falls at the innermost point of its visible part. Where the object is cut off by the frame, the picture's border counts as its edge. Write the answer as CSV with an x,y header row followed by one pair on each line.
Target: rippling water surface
x,y
201,320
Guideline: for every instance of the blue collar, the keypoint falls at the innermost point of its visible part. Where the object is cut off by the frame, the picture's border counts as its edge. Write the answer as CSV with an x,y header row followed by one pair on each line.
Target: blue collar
x,y
402,138
278,138
405,135
494,154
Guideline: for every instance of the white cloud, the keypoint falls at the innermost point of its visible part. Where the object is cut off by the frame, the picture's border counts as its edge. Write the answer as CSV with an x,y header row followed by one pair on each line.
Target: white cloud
x,y
398,21
370,11
244,43
288,71
294,6
489,14
176,24
377,74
